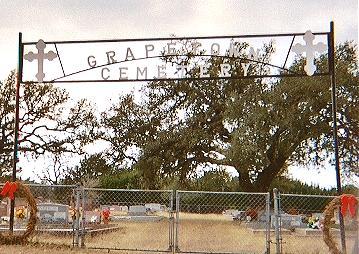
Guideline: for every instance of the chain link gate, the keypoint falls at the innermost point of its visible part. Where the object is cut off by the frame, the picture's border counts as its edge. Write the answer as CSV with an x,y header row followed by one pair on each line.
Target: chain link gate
x,y
129,220
55,204
222,222
298,224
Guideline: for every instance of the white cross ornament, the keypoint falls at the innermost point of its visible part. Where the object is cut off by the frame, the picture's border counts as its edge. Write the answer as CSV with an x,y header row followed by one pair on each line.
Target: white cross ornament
x,y
309,49
40,57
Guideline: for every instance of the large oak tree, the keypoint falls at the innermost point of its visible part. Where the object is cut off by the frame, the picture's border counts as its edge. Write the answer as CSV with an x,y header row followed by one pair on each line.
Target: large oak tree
x,y
256,126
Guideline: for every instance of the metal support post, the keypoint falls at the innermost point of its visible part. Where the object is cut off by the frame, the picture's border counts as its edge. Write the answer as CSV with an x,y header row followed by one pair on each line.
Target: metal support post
x,y
276,222
268,220
16,129
331,61
171,224
83,217
77,219
176,247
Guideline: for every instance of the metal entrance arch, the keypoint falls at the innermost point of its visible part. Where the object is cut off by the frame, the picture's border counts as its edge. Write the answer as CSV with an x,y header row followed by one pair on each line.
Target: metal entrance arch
x,y
43,56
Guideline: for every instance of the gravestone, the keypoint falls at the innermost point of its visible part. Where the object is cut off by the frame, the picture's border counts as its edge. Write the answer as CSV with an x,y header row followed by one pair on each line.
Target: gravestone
x,y
235,214
262,217
92,216
137,210
53,213
154,207
115,209
123,209
231,212
288,220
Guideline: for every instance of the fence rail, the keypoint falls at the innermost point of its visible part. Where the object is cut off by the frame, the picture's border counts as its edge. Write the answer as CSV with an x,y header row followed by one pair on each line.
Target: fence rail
x,y
178,221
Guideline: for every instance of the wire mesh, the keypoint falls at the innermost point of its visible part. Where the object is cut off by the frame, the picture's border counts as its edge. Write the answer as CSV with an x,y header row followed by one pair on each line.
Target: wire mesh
x,y
222,222
128,219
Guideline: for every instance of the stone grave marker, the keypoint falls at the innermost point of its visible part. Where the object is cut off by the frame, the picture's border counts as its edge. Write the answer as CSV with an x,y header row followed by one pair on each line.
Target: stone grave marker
x,y
154,207
288,220
137,210
116,209
53,213
123,209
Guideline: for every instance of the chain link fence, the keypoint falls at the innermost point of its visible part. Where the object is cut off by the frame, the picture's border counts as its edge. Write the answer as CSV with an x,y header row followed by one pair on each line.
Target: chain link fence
x,y
298,220
222,222
178,221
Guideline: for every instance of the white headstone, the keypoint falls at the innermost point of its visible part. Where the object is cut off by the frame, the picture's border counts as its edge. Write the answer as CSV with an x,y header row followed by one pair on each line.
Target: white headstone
x,y
137,210
123,209
53,213
288,220
153,207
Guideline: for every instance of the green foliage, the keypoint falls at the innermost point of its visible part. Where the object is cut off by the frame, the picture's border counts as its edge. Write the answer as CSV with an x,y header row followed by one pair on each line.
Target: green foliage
x,y
126,179
203,202
285,185
304,204
215,181
90,170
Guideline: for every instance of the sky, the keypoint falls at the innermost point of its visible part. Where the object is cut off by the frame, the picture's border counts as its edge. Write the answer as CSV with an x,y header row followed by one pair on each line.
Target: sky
x,y
119,19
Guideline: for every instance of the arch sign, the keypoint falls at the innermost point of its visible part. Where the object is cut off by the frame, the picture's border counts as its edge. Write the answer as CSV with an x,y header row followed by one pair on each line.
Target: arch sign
x,y
132,60
151,59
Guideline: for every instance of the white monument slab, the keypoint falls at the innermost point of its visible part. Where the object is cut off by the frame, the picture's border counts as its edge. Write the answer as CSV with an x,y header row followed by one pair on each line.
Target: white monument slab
x,y
154,207
137,210
53,213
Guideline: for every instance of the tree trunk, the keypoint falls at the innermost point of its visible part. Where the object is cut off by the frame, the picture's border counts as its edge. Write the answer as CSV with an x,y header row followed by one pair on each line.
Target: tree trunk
x,y
264,179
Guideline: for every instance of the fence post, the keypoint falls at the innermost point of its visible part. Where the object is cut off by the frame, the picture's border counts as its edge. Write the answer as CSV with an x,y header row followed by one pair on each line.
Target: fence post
x,y
176,248
83,223
276,221
171,226
268,218
77,218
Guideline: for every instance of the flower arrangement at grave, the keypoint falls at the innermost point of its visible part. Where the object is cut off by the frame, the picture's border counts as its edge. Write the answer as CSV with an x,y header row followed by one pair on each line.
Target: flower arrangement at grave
x,y
251,214
18,189
348,205
20,213
105,216
314,223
